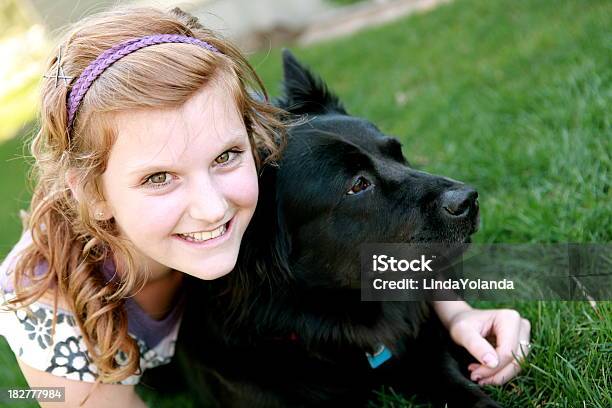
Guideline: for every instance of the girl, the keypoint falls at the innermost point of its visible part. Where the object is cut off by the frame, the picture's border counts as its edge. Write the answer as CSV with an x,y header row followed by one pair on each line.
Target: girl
x,y
146,166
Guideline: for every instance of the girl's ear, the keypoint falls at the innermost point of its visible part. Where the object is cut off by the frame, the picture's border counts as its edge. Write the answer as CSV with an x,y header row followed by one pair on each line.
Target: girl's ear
x,y
101,212
98,209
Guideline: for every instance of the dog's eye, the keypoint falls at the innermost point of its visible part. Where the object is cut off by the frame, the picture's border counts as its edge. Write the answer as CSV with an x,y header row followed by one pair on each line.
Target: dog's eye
x,y
360,185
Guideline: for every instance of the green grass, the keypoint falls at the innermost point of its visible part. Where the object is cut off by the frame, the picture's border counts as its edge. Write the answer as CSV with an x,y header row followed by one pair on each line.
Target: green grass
x,y
17,108
510,96
15,192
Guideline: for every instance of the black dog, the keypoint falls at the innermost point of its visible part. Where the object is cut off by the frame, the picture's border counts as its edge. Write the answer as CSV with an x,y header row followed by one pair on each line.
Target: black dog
x,y
285,329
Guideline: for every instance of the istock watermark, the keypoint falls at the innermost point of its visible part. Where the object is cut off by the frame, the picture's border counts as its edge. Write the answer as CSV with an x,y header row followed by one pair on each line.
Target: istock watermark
x,y
383,263
412,272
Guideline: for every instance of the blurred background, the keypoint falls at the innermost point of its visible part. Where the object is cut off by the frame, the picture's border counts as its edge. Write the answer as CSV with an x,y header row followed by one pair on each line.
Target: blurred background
x,y
512,96
29,28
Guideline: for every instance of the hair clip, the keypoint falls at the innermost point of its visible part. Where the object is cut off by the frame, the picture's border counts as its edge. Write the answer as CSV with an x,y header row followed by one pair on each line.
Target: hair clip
x,y
59,74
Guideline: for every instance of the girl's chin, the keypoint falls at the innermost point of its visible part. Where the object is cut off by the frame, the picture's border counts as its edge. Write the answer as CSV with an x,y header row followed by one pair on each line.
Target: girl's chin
x,y
208,275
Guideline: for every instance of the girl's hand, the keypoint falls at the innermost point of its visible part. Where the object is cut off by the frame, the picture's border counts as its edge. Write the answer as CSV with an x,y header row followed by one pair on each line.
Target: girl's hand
x,y
477,330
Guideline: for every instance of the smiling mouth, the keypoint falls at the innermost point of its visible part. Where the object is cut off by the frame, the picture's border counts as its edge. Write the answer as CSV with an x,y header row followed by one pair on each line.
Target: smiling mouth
x,y
203,236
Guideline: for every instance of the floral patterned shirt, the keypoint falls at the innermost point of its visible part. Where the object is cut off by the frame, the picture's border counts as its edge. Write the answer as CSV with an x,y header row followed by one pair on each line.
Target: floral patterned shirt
x,y
63,353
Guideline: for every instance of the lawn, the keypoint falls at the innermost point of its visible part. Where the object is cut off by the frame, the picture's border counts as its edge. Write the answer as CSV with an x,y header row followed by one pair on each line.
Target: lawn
x,y
511,96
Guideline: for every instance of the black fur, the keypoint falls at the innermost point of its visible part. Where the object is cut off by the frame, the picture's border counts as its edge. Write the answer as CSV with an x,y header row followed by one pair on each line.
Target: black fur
x,y
286,328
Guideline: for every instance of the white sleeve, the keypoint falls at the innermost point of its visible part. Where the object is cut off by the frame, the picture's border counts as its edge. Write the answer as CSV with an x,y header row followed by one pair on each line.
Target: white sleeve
x,y
63,353
28,331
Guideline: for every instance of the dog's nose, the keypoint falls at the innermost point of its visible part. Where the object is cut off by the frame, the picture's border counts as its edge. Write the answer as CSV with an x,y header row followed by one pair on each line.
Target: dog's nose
x,y
459,202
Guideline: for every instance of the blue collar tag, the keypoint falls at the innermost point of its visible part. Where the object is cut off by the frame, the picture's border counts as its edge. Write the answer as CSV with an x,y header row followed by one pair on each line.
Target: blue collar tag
x,y
381,355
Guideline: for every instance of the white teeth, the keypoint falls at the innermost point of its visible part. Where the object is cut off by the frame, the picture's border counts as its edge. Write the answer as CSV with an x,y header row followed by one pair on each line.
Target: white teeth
x,y
204,235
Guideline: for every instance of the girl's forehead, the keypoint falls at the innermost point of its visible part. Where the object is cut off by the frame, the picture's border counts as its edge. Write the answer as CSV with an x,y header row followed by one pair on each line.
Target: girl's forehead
x,y
211,106
206,122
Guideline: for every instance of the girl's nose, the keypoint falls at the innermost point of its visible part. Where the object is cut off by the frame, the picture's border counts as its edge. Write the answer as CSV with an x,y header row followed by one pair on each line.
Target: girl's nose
x,y
208,203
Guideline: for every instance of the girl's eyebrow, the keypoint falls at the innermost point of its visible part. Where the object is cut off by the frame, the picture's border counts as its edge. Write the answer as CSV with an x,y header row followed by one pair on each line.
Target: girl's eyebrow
x,y
147,167
151,169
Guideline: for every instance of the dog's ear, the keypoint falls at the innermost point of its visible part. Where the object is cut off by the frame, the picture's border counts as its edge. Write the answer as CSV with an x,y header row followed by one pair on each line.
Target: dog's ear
x,y
305,92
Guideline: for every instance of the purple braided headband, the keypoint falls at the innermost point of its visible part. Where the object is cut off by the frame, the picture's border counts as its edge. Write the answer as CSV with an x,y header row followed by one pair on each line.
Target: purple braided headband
x,y
110,56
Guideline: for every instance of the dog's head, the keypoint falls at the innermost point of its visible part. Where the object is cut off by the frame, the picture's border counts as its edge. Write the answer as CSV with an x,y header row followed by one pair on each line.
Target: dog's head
x,y
342,182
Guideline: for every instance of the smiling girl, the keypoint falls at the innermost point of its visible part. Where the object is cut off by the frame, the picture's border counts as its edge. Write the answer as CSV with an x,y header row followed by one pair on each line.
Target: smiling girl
x,y
146,165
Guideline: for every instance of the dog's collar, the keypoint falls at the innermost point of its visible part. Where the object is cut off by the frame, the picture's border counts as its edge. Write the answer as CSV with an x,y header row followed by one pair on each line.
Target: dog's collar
x,y
377,358
381,355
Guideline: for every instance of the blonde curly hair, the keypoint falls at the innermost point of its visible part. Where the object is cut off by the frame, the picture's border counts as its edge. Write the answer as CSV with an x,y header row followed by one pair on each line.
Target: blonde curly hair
x,y
64,233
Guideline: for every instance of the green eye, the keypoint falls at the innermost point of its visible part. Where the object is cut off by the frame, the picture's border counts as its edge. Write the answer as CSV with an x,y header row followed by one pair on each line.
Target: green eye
x,y
223,158
158,178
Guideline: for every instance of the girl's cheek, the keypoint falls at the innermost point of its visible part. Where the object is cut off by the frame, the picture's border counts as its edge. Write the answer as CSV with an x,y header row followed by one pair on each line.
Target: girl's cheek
x,y
156,212
243,187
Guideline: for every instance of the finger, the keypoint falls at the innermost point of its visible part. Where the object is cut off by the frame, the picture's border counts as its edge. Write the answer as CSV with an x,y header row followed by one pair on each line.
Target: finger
x,y
502,376
507,329
477,345
525,339
522,349
483,372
